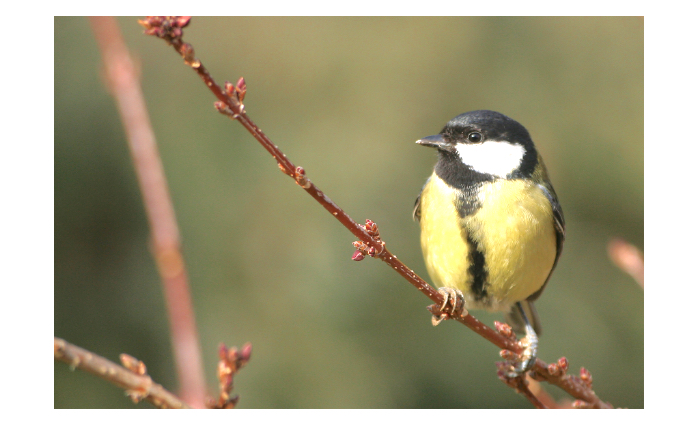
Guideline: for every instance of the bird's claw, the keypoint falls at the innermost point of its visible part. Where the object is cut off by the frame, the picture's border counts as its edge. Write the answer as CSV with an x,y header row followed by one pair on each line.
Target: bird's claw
x,y
528,357
453,297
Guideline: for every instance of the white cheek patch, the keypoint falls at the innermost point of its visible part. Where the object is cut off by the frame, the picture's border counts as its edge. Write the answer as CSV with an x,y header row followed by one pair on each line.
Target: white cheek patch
x,y
490,157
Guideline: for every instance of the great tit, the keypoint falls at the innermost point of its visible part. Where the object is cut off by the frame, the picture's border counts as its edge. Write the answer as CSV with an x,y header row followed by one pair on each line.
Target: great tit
x,y
491,224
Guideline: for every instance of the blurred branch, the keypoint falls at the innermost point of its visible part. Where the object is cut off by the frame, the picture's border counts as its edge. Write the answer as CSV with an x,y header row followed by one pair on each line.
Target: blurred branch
x,y
521,385
230,102
628,258
137,384
542,395
123,82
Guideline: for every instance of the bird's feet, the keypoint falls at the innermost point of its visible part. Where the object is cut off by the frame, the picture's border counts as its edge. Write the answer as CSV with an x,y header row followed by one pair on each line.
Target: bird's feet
x,y
453,298
528,357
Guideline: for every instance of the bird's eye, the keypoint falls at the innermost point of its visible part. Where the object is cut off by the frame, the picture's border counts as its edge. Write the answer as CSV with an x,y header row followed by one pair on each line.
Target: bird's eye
x,y
474,137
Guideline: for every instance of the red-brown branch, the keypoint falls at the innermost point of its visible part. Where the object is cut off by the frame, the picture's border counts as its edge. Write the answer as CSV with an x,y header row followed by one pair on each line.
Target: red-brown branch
x,y
521,385
578,387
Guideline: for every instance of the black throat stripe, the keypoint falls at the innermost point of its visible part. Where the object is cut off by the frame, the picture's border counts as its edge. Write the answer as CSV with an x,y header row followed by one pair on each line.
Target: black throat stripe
x,y
466,201
477,270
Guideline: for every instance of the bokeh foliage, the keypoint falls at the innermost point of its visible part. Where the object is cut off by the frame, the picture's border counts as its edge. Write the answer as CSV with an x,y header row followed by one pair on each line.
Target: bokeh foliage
x,y
345,98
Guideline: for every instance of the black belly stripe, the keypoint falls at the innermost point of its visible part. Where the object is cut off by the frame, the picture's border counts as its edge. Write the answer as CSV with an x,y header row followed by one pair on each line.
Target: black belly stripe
x,y
477,270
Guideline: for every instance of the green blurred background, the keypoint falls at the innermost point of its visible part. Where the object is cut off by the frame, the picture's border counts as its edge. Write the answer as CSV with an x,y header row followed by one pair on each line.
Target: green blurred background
x,y
345,98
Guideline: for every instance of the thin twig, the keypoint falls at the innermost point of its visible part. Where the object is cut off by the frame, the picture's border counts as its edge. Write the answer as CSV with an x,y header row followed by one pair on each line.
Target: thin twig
x,y
230,362
123,81
138,386
521,385
542,395
578,387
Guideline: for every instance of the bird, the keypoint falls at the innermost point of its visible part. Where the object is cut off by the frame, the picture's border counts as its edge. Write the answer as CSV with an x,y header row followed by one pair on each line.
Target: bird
x,y
492,228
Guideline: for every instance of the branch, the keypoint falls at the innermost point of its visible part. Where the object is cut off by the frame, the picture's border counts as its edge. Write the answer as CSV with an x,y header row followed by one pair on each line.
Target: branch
x,y
138,385
521,385
628,258
123,81
230,103
542,395
578,387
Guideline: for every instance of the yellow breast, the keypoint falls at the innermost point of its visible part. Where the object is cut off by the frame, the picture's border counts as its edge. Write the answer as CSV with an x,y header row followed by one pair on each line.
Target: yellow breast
x,y
512,230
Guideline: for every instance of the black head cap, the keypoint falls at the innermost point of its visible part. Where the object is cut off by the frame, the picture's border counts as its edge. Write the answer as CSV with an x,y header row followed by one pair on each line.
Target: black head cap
x,y
492,125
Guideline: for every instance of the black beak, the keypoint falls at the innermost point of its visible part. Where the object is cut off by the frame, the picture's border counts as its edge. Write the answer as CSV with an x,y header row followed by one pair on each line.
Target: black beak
x,y
436,141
